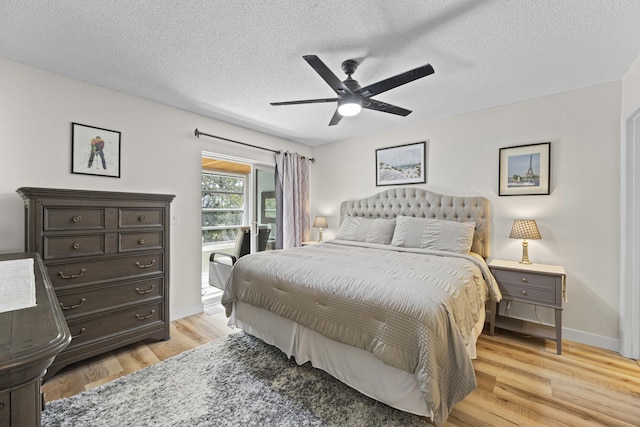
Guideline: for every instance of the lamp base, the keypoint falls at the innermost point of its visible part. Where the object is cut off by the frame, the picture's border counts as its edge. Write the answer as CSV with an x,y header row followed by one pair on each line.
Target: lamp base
x,y
320,235
525,253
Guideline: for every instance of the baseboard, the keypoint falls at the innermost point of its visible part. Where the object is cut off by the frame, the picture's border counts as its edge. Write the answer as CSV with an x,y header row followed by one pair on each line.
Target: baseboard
x,y
599,341
186,311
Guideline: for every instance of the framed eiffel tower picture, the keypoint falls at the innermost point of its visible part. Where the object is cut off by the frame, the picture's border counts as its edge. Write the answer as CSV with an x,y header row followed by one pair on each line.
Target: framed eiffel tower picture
x,y
525,170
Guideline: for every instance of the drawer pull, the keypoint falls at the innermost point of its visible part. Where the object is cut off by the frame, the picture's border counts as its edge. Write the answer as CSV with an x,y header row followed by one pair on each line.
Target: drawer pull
x,y
76,218
524,292
145,317
77,245
141,218
153,261
71,307
71,276
141,241
79,333
524,279
145,291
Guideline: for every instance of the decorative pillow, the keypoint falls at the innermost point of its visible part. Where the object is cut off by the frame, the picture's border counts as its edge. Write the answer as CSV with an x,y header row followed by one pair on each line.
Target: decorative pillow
x,y
378,230
451,236
381,231
347,230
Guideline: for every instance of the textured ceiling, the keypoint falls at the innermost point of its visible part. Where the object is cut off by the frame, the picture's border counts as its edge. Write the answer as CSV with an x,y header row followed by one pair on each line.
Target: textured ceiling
x,y
229,59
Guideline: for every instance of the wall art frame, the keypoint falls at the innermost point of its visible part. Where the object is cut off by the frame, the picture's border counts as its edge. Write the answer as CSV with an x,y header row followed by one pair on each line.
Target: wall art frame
x,y
402,164
95,151
525,170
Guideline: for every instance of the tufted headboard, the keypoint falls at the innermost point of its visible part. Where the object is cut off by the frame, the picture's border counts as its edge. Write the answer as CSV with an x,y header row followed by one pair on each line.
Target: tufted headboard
x,y
425,204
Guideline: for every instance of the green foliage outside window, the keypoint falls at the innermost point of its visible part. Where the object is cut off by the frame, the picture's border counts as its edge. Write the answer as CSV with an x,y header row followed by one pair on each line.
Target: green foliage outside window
x,y
222,205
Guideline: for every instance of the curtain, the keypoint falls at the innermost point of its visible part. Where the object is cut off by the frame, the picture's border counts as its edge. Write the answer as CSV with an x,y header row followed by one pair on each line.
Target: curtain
x,y
292,200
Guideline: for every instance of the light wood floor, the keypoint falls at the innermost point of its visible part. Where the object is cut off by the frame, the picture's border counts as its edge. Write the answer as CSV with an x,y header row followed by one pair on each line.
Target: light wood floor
x,y
521,381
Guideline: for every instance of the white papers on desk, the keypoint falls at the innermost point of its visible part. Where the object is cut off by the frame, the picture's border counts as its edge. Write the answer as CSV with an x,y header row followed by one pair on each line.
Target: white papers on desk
x,y
17,284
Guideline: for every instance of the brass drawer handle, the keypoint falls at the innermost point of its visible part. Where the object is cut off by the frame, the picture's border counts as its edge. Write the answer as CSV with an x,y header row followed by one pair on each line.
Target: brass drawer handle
x,y
153,261
524,292
141,218
71,276
524,279
145,291
145,317
76,218
79,333
77,245
141,241
71,307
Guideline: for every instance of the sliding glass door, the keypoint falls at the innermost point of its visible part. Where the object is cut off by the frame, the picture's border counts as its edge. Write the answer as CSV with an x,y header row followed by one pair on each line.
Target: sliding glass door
x,y
236,194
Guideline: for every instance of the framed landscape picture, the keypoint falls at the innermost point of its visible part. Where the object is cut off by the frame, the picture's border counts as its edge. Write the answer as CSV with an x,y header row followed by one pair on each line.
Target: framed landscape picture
x,y
95,151
402,164
524,170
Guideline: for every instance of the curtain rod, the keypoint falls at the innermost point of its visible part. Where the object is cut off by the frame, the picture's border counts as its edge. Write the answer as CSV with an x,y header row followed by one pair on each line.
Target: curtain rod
x,y
197,133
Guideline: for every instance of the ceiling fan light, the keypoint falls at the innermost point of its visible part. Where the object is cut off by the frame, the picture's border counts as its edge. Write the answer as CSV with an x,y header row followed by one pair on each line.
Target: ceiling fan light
x,y
349,108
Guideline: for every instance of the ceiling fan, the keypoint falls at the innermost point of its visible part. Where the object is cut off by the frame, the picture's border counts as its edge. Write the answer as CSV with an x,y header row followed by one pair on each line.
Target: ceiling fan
x,y
351,97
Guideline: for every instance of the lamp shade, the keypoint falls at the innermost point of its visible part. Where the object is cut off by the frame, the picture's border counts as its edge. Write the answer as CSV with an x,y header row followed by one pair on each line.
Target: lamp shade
x,y
320,222
525,229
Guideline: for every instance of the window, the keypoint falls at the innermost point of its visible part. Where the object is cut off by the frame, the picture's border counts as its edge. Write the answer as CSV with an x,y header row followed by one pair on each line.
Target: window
x,y
223,207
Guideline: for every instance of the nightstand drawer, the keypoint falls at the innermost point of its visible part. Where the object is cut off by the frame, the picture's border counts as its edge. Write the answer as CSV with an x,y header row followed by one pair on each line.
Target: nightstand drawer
x,y
525,278
528,293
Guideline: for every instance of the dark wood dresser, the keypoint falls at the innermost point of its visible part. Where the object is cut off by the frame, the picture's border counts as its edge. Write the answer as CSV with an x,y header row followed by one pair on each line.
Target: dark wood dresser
x,y
107,256
29,340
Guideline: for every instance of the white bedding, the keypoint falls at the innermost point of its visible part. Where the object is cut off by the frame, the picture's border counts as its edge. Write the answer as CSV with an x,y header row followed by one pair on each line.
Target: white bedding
x,y
355,367
414,310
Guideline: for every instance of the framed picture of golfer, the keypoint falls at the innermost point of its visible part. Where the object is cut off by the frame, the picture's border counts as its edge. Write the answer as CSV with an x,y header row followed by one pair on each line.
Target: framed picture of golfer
x,y
95,151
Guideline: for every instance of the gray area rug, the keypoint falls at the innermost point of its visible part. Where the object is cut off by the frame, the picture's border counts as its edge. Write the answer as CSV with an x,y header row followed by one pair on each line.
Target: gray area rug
x,y
237,380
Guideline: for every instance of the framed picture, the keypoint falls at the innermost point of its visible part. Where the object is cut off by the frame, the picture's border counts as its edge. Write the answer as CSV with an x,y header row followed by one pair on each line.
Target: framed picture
x,y
524,170
95,151
402,164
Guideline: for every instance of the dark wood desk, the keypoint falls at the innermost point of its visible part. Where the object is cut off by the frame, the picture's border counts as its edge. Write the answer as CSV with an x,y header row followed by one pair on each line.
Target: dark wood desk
x,y
30,339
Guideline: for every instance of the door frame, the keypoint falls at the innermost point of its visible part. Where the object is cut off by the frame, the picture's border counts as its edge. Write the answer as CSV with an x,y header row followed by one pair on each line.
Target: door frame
x,y
629,321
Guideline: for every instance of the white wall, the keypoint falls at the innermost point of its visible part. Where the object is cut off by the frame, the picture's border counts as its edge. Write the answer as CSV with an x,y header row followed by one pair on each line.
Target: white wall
x,y
631,87
579,220
159,152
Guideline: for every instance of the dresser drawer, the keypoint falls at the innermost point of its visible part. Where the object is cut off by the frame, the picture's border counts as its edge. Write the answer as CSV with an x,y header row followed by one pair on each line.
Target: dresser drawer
x,y
527,278
73,246
105,297
83,272
73,218
140,241
528,293
84,331
141,217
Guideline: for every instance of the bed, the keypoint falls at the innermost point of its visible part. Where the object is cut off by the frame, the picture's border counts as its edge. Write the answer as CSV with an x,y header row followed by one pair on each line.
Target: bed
x,y
392,307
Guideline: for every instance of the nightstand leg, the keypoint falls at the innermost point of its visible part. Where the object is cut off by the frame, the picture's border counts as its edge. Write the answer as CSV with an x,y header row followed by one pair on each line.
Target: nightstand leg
x,y
493,308
559,331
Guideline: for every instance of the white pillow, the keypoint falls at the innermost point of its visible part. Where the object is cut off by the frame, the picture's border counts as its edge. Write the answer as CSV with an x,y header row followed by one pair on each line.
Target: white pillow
x,y
371,230
451,236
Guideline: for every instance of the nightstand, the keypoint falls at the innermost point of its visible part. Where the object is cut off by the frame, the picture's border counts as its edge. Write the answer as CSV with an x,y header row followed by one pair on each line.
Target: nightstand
x,y
536,284
310,242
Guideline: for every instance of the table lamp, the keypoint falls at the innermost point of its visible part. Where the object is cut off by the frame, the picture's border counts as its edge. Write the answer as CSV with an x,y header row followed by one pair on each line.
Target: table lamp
x,y
320,222
525,229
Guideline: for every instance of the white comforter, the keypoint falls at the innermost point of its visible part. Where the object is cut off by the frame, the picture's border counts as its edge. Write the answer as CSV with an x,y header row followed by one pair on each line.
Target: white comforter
x,y
413,309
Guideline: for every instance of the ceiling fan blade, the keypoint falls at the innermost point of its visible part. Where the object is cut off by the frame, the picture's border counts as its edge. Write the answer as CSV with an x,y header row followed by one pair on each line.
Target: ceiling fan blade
x,y
305,101
373,104
395,81
335,119
327,75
